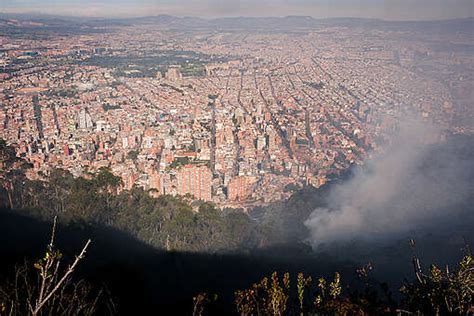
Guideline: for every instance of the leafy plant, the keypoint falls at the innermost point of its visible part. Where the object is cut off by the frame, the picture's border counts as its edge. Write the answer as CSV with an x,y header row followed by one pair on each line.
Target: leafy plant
x,y
46,289
441,291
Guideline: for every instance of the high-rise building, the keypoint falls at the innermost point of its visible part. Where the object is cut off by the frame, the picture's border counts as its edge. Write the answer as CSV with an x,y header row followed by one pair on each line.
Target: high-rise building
x,y
261,142
84,119
272,140
195,180
173,74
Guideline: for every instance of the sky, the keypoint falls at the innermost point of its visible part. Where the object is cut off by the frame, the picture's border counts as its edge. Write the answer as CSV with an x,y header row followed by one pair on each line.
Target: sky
x,y
383,9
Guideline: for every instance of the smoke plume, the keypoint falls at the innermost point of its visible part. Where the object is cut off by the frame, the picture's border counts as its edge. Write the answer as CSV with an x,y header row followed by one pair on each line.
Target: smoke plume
x,y
410,186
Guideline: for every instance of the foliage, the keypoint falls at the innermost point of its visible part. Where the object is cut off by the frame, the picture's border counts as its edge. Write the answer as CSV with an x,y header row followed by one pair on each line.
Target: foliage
x,y
12,172
178,162
170,223
165,222
200,302
272,297
108,107
132,155
268,297
45,288
291,187
441,291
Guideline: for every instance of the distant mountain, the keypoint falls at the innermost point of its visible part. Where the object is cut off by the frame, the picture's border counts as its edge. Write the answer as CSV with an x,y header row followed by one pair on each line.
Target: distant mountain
x,y
264,24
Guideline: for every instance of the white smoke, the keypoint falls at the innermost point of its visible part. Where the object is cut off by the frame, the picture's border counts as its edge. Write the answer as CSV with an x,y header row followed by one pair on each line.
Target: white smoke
x,y
393,193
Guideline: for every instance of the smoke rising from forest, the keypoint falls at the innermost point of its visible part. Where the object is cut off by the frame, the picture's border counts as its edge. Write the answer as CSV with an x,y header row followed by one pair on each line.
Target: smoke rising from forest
x,y
408,187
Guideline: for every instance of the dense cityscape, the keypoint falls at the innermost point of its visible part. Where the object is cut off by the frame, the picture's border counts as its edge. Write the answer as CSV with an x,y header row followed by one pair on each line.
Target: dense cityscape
x,y
236,117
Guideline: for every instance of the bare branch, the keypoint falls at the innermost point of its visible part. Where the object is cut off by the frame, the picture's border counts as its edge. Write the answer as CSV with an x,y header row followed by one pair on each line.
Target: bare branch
x,y
53,232
70,270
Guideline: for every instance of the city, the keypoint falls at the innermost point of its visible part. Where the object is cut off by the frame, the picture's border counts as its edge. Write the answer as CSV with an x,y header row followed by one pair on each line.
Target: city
x,y
237,117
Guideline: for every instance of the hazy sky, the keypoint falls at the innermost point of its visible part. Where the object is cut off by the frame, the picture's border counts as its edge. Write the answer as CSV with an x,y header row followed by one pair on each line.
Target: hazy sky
x,y
385,9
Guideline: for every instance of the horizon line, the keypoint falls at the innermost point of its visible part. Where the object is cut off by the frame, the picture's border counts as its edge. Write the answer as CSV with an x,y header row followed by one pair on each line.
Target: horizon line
x,y
103,17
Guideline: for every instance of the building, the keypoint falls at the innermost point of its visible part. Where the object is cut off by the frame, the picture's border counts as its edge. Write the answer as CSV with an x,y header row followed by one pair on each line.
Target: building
x,y
195,180
173,74
155,184
261,142
84,120
239,188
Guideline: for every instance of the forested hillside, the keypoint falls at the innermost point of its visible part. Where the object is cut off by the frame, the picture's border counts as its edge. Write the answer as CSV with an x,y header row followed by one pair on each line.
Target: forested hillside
x,y
157,253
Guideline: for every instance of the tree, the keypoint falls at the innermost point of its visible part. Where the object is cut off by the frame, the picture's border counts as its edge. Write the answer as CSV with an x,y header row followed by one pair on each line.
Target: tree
x,y
12,171
132,155
107,184
163,221
49,291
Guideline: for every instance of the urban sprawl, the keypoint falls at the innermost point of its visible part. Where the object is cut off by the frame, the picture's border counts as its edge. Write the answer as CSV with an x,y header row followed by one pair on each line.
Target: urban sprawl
x,y
239,118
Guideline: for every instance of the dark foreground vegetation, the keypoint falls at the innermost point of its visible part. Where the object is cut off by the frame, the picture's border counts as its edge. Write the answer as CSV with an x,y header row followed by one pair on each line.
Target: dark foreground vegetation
x,y
154,255
120,275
